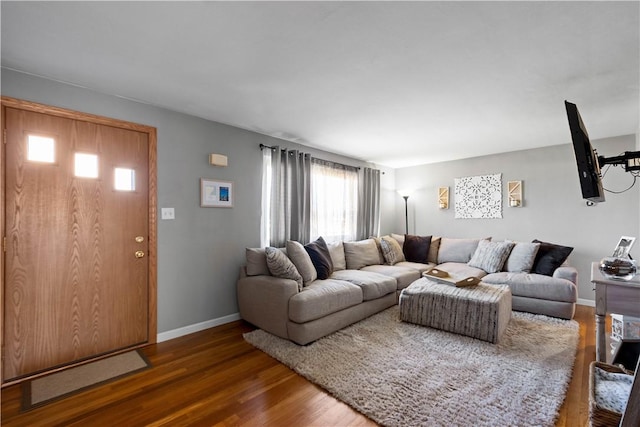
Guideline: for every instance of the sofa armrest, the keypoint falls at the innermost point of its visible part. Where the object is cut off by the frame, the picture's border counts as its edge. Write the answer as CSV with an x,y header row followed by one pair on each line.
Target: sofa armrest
x,y
264,302
566,272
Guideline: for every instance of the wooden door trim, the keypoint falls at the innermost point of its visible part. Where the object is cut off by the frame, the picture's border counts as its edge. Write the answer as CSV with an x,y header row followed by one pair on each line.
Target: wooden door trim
x,y
8,102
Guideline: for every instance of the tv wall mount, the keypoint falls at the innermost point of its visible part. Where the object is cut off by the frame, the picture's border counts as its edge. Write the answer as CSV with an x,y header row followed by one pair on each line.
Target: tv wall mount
x,y
630,160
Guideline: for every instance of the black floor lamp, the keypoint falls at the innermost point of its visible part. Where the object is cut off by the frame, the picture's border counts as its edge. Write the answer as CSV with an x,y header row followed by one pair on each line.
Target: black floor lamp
x,y
406,214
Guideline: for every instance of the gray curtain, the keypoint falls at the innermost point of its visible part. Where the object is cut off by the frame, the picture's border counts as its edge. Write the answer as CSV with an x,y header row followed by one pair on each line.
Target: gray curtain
x,y
290,196
369,204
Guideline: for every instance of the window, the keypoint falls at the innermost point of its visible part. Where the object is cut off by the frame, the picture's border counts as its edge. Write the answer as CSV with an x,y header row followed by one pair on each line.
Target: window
x,y
40,149
125,179
334,201
86,165
304,198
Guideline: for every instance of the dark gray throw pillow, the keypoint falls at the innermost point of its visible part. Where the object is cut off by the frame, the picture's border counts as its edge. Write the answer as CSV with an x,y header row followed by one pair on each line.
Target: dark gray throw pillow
x,y
416,248
549,257
320,257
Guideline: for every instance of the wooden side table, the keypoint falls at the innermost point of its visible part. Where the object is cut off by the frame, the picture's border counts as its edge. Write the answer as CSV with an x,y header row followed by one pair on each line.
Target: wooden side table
x,y
612,296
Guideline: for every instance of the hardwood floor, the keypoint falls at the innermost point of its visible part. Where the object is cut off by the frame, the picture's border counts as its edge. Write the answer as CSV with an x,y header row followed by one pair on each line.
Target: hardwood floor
x,y
214,378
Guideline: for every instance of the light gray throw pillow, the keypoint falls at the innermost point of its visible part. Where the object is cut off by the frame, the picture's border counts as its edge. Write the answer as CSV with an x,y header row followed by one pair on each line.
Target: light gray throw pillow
x,y
456,250
256,262
522,257
336,250
281,266
302,261
490,256
361,253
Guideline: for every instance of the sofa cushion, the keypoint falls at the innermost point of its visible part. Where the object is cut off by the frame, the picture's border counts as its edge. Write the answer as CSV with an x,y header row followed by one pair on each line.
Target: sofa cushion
x,y
535,286
302,261
361,253
490,256
549,257
416,248
281,266
432,257
459,270
421,267
373,285
321,298
336,251
456,250
404,276
320,257
521,257
391,250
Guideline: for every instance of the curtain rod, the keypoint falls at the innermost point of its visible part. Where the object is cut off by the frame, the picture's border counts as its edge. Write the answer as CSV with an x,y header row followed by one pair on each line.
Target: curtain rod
x,y
262,147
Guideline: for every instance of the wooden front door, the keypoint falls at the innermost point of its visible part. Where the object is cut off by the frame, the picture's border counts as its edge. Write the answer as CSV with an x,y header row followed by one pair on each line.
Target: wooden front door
x,y
79,231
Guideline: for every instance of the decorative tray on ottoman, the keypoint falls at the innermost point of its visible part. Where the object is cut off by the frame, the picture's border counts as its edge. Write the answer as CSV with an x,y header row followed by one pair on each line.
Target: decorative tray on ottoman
x,y
441,276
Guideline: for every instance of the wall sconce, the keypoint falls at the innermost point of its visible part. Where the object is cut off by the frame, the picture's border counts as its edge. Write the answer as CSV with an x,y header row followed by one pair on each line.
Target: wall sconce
x,y
443,197
218,160
515,193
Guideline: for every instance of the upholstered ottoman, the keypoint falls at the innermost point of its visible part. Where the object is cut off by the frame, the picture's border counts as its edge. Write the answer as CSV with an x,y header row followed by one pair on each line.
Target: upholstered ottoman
x,y
482,311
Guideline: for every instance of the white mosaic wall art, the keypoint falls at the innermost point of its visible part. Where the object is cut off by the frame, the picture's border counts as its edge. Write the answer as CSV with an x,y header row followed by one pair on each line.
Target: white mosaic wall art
x,y
478,196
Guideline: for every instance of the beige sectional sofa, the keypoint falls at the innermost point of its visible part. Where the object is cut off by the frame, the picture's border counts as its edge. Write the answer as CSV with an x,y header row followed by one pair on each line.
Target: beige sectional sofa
x,y
303,293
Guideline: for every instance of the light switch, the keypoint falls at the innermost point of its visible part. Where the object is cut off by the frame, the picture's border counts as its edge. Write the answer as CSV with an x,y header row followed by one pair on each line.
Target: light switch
x,y
168,213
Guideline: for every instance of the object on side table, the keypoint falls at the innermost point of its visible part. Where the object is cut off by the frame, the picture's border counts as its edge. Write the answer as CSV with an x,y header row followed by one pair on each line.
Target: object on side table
x,y
625,327
618,268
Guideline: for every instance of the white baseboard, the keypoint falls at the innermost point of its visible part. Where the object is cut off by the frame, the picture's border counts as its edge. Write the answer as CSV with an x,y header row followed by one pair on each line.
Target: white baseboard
x,y
587,302
175,333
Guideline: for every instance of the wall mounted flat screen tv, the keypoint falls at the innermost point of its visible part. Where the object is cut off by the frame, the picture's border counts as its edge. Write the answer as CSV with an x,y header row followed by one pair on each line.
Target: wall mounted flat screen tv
x,y
586,157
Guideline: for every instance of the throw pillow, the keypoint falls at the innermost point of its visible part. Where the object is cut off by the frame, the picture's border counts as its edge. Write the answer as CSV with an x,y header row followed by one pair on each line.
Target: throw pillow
x,y
457,250
416,248
336,250
380,254
432,256
256,262
549,257
361,253
490,256
522,257
302,261
320,257
399,238
391,250
281,266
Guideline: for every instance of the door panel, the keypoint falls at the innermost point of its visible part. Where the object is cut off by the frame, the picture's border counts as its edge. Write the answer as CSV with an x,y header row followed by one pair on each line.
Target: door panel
x,y
74,287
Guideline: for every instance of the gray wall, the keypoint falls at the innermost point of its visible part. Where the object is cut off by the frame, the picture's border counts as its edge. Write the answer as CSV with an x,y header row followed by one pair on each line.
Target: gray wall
x,y
200,252
553,209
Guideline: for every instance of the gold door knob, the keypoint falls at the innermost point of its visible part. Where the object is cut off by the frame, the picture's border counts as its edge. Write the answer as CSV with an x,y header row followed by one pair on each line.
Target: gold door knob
x,y
139,239
139,254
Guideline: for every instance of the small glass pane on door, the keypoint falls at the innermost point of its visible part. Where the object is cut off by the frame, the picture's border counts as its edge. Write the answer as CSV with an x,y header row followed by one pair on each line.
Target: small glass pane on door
x,y
40,149
86,165
125,179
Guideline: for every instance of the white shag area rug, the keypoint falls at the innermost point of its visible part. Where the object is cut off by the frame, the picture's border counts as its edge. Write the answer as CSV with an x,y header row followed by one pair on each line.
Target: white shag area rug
x,y
399,374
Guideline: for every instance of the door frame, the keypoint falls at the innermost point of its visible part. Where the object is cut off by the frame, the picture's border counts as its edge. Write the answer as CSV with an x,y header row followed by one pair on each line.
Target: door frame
x,y
151,132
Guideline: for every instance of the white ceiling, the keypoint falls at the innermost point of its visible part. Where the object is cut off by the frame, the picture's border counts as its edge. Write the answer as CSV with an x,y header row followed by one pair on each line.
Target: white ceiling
x,y
395,83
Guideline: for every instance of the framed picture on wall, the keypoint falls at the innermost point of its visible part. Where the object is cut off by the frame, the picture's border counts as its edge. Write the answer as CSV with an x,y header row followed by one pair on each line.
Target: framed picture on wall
x,y
215,193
